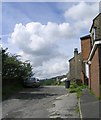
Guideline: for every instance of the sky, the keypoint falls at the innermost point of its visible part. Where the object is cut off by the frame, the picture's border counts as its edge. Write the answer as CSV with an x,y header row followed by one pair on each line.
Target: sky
x,y
46,33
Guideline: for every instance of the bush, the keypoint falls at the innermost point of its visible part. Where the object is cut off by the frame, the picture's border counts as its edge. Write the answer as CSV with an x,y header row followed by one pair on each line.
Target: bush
x,y
14,72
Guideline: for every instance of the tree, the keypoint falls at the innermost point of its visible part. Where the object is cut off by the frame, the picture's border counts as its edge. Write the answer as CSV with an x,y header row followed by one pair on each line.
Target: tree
x,y
13,67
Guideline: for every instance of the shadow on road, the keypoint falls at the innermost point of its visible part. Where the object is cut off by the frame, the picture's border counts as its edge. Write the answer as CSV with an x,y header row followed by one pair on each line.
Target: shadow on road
x,y
32,93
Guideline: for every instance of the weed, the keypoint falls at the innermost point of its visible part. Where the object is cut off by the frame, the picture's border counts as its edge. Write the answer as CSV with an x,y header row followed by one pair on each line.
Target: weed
x,y
77,88
77,109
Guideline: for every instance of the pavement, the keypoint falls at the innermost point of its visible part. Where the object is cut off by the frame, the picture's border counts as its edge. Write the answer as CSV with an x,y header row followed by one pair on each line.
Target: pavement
x,y
90,105
65,107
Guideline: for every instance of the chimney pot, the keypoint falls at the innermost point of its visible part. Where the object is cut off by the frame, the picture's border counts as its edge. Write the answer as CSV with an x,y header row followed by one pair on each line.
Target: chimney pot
x,y
75,51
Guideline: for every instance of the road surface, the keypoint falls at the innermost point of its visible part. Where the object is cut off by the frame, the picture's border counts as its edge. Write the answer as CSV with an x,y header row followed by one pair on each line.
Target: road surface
x,y
42,102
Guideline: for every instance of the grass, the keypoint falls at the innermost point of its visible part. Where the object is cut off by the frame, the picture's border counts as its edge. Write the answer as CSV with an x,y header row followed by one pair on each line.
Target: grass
x,y
76,88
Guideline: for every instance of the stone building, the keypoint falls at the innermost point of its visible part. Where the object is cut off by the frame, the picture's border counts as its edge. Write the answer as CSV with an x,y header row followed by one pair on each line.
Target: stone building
x,y
91,63
75,66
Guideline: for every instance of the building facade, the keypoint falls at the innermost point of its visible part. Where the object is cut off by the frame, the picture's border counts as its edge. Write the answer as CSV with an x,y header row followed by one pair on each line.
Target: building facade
x,y
75,66
91,63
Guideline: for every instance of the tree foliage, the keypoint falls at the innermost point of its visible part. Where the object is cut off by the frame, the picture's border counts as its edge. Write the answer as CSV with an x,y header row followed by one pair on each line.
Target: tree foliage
x,y
13,67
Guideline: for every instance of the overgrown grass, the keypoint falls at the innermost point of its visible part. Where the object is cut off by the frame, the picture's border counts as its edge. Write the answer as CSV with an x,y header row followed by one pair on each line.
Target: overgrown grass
x,y
76,88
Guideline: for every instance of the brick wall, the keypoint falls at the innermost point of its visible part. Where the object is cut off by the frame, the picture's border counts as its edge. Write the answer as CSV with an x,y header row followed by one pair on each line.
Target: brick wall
x,y
95,74
85,48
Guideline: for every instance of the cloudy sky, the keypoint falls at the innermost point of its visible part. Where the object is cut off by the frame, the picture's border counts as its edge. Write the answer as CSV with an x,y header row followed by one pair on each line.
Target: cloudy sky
x,y
46,33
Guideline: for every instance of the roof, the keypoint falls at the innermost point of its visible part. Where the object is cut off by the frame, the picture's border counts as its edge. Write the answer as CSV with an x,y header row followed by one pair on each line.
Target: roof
x,y
71,59
85,37
94,20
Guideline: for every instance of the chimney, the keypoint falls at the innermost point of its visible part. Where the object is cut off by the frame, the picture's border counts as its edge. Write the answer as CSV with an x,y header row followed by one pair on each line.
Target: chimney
x,y
75,51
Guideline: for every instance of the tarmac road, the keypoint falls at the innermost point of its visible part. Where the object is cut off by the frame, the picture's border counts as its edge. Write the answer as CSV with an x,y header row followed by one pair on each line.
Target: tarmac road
x,y
42,102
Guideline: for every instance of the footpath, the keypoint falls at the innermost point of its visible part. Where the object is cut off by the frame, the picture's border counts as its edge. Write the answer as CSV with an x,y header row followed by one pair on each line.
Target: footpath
x,y
65,107
90,106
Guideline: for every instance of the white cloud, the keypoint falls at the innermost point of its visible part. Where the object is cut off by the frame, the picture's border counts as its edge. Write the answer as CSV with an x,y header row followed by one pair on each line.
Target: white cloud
x,y
39,44
82,11
82,14
53,67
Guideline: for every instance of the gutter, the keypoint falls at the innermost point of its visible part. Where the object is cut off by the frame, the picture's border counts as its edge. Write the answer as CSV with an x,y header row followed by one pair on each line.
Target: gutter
x,y
93,49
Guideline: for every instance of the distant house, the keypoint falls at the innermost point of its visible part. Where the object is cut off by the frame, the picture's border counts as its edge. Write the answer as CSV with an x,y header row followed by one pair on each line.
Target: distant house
x,y
75,66
91,57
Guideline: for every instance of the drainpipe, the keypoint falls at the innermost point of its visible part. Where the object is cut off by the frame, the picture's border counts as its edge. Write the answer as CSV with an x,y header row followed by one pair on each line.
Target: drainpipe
x,y
89,63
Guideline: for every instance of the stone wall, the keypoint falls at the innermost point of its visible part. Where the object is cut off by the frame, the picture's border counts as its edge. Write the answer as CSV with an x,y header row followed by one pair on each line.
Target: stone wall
x,y
75,66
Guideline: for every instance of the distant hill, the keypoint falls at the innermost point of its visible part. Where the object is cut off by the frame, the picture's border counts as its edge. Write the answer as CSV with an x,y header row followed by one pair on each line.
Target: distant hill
x,y
52,81
59,77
